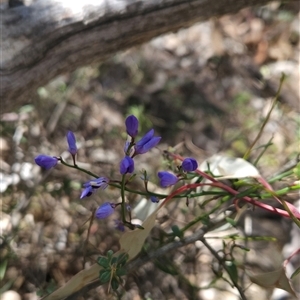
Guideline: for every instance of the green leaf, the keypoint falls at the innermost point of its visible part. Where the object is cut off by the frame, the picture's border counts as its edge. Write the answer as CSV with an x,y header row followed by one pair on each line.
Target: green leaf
x,y
104,276
121,272
103,262
232,271
231,221
297,272
114,284
122,259
177,231
3,266
109,254
206,220
296,171
114,260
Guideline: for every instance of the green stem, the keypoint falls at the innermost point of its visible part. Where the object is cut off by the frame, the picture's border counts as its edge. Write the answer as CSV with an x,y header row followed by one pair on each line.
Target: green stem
x,y
75,166
123,199
281,192
281,176
247,154
198,219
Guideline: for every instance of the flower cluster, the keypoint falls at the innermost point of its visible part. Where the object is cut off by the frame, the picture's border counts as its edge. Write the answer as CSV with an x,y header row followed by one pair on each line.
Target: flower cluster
x,y
132,148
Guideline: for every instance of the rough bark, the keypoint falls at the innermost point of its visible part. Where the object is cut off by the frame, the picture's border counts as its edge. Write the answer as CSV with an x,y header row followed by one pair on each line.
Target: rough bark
x,y
50,37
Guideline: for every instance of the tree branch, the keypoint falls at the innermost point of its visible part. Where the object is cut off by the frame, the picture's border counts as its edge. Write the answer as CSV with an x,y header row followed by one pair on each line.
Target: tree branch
x,y
48,38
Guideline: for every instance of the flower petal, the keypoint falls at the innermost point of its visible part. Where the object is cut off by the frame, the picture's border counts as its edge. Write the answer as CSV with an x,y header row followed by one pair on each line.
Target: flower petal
x,y
147,142
167,179
87,192
46,161
105,210
126,165
92,185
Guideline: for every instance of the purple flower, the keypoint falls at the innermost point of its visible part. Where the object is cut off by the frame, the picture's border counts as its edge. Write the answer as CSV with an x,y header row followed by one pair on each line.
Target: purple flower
x,y
72,143
147,142
126,146
189,164
105,210
46,161
154,199
132,125
119,225
167,179
92,185
126,165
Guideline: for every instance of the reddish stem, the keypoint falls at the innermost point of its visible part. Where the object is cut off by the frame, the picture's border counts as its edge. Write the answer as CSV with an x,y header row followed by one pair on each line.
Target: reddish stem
x,y
218,184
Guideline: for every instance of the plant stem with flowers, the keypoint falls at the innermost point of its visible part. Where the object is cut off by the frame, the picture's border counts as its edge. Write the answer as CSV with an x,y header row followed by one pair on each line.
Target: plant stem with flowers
x,y
180,178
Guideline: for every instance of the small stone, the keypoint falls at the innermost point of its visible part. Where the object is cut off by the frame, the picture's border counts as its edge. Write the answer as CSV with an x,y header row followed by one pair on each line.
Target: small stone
x,y
10,295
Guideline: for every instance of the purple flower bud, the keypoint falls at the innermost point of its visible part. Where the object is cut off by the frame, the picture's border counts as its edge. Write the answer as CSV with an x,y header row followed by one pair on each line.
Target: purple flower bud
x,y
105,210
46,161
154,199
167,179
147,142
132,125
189,164
145,177
126,165
72,143
92,185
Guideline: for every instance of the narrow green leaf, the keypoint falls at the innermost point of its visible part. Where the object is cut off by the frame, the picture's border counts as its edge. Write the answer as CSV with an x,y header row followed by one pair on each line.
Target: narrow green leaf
x,y
297,272
3,266
242,247
232,271
231,221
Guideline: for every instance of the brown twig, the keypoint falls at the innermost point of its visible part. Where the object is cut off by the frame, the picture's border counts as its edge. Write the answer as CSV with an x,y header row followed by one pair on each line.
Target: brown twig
x,y
221,262
87,238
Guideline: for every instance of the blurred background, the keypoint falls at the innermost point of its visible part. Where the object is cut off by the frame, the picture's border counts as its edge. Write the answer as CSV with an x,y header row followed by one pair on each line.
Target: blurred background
x,y
205,90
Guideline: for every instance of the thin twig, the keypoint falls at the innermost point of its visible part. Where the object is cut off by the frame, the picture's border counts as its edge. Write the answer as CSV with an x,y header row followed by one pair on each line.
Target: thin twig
x,y
221,262
87,238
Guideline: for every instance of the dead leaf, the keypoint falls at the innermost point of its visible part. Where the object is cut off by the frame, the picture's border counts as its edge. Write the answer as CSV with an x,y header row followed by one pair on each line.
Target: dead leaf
x,y
275,279
132,242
